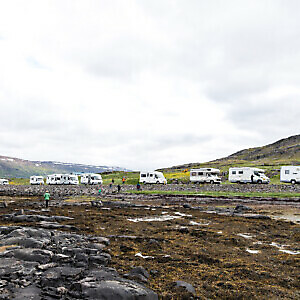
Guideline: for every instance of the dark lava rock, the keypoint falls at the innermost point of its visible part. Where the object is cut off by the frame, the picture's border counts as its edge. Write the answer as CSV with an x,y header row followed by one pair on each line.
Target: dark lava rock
x,y
259,217
139,273
117,289
185,287
58,265
187,205
241,208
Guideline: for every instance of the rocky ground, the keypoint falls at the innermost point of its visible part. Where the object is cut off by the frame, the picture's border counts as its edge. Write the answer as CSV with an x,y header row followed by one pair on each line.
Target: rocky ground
x,y
125,246
82,190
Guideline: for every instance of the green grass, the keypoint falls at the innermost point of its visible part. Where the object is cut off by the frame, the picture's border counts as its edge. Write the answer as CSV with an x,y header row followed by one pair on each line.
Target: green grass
x,y
19,181
131,177
221,193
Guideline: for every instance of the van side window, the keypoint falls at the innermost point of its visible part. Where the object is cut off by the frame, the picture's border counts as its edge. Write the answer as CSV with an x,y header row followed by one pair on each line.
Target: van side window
x,y
200,173
241,172
151,175
143,175
233,172
287,172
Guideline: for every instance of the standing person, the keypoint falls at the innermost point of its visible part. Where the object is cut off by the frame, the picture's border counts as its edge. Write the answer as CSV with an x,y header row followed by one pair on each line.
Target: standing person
x,y
123,180
47,198
119,188
138,186
100,192
112,181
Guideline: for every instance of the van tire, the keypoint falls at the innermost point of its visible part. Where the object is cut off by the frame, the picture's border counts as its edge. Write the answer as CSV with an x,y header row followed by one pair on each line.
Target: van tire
x,y
144,182
211,182
293,181
259,181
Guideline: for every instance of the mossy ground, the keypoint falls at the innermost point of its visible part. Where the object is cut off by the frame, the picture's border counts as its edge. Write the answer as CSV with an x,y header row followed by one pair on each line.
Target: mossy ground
x,y
211,256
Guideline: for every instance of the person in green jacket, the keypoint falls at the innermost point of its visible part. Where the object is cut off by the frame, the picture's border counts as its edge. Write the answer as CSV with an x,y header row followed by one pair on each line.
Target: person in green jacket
x,y
47,198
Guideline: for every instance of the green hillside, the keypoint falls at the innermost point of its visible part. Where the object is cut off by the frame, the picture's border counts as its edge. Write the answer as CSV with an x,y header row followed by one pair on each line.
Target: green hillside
x,y
270,157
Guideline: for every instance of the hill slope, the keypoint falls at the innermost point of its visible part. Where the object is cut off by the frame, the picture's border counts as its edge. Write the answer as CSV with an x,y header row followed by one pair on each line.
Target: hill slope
x,y
15,167
285,151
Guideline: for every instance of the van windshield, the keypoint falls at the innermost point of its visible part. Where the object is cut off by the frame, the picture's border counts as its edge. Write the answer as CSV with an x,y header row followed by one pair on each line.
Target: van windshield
x,y
259,174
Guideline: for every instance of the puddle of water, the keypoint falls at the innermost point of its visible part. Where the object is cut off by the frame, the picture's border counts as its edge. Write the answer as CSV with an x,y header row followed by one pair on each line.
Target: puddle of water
x,y
143,256
181,214
201,224
252,251
290,252
257,243
286,217
245,235
278,245
281,249
154,219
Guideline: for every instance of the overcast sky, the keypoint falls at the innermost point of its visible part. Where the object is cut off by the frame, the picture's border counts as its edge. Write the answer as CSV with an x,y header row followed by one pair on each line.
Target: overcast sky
x,y
146,84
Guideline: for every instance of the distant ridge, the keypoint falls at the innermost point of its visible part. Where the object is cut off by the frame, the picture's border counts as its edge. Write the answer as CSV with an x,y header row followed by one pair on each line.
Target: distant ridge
x,y
16,167
285,151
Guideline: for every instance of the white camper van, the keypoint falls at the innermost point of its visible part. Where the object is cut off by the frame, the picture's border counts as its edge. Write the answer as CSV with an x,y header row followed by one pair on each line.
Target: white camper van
x,y
38,180
54,179
62,179
4,182
70,179
205,175
290,174
152,177
247,175
90,178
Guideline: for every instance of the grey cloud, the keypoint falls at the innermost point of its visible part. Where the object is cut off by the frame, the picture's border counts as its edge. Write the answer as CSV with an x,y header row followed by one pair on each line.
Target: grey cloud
x,y
277,118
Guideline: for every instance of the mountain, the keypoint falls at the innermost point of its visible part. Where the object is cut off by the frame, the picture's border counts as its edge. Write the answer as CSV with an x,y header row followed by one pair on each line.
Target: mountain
x,y
287,149
15,167
283,152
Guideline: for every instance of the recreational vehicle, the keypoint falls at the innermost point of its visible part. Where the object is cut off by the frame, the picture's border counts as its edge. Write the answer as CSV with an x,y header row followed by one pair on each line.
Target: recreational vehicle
x,y
70,179
205,175
247,175
3,181
91,179
62,179
38,180
290,174
152,177
54,179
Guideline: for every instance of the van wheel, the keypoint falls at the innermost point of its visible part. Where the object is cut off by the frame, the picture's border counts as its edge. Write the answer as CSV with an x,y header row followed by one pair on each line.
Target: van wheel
x,y
293,181
259,181
157,182
144,182
211,182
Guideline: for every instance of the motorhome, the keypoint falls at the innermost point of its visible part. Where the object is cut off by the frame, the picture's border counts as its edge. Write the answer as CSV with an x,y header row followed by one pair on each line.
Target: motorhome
x,y
62,179
205,175
54,179
36,180
90,178
290,174
152,177
70,179
247,175
4,182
